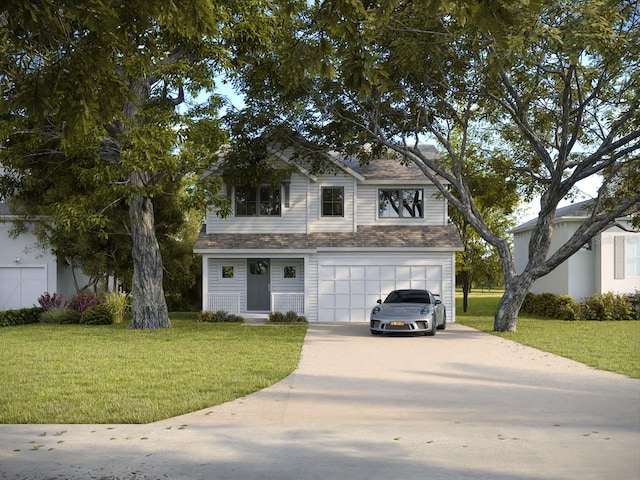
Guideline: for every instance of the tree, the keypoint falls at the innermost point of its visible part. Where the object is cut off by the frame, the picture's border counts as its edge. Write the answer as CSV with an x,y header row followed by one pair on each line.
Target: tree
x,y
90,91
556,81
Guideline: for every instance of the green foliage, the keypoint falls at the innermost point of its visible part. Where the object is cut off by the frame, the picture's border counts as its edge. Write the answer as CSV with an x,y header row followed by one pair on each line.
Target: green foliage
x,y
219,317
117,303
607,306
288,317
97,315
600,307
23,316
60,315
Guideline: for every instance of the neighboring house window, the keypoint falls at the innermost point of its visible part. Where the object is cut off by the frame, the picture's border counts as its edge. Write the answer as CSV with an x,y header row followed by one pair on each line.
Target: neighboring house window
x,y
399,203
333,202
632,261
262,201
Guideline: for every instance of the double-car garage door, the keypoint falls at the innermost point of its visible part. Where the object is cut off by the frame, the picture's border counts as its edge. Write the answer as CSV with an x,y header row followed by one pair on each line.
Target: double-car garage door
x,y
21,286
346,293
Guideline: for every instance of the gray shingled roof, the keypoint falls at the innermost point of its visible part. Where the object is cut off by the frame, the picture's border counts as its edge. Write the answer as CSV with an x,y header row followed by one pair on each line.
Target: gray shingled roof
x,y
574,211
367,237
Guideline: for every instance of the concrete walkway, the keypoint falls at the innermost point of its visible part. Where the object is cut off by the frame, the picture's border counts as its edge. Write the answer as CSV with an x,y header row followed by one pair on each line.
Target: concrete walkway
x,y
460,405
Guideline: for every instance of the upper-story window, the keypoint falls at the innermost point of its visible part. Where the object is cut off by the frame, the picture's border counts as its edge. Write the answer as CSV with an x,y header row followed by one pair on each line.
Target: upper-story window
x,y
263,201
333,201
400,203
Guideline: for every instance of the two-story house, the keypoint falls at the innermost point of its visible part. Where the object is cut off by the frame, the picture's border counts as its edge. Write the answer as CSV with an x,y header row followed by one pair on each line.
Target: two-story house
x,y
329,245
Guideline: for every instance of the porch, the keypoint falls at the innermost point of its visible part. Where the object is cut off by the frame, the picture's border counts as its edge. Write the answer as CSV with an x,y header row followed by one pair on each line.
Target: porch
x,y
234,303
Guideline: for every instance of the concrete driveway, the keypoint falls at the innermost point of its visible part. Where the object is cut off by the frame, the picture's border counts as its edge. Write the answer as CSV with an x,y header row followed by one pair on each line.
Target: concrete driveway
x,y
460,405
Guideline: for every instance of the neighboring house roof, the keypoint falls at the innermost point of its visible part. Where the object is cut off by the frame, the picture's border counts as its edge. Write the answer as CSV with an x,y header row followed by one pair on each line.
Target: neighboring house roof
x,y
576,211
367,237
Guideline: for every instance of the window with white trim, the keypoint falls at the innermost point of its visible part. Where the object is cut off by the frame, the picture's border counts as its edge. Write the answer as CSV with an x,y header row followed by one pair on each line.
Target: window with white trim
x,y
632,260
333,201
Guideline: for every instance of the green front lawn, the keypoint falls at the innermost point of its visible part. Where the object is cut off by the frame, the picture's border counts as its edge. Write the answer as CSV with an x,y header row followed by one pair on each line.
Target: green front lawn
x,y
110,374
612,346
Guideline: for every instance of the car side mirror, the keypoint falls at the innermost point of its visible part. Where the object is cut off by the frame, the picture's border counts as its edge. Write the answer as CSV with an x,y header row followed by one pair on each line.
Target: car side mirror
x,y
379,301
438,302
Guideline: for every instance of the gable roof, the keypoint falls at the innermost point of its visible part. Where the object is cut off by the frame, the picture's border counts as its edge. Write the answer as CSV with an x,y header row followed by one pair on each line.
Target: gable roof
x,y
576,211
434,238
391,168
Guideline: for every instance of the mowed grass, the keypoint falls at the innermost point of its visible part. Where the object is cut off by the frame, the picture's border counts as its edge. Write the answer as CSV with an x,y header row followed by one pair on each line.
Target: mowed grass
x,y
110,374
612,346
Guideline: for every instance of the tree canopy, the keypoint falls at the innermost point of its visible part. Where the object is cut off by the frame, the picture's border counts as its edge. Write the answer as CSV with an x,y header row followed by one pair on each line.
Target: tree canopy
x,y
556,84
90,130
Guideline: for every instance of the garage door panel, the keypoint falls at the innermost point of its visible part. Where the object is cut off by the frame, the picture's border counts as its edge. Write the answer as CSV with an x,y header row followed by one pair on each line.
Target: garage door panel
x,y
348,292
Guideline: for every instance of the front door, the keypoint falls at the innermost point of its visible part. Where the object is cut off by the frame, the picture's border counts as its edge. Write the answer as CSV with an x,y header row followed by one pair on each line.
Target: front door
x,y
258,284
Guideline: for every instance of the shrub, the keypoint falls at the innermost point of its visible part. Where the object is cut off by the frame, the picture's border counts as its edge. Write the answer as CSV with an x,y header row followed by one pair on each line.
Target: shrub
x,y
565,308
275,317
97,315
59,315
83,301
219,317
48,301
289,317
117,303
607,306
22,316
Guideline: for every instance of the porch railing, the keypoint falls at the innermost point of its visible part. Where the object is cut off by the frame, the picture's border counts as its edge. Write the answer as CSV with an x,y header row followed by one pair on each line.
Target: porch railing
x,y
286,302
229,302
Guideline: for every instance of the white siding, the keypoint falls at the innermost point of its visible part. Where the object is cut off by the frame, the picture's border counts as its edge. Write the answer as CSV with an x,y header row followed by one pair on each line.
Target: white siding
x,y
293,219
230,293
318,223
434,206
280,284
605,247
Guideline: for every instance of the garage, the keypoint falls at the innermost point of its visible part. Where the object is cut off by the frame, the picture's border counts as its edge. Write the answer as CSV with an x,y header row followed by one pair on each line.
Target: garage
x,y
21,286
346,293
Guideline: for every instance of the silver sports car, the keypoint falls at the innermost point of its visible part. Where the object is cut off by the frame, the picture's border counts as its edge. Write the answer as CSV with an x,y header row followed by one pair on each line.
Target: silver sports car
x,y
409,311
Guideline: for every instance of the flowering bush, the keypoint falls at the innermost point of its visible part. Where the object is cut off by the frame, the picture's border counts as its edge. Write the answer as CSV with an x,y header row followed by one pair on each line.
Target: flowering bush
x,y
48,301
82,302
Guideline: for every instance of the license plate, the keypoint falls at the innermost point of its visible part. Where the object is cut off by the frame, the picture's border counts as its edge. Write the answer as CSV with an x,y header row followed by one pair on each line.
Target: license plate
x,y
397,324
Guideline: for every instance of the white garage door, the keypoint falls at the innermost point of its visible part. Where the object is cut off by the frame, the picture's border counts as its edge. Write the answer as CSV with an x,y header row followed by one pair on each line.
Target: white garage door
x,y
20,287
348,292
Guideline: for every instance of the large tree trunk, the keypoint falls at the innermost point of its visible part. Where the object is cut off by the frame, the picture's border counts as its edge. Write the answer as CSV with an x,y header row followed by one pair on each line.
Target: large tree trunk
x,y
466,289
516,289
149,307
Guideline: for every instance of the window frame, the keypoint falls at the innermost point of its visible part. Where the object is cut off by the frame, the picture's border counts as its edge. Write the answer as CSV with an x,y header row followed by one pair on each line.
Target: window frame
x,y
332,202
400,193
256,200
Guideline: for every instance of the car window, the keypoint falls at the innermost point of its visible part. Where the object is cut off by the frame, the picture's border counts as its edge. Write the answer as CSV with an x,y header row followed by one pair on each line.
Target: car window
x,y
408,297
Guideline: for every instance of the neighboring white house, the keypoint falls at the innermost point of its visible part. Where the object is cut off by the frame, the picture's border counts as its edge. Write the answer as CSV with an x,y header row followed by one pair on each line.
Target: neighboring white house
x,y
610,262
329,245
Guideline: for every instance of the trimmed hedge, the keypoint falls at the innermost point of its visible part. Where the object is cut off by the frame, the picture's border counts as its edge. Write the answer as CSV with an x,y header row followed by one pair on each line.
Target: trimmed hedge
x,y
289,317
219,317
23,316
605,306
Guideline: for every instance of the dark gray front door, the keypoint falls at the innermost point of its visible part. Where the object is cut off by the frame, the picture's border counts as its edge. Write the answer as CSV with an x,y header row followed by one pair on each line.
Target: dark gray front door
x,y
258,283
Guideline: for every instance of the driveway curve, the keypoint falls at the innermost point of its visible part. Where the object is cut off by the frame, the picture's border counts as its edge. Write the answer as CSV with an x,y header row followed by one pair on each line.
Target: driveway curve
x,y
460,405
